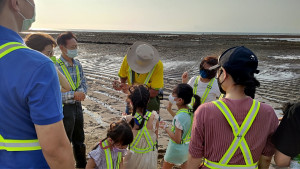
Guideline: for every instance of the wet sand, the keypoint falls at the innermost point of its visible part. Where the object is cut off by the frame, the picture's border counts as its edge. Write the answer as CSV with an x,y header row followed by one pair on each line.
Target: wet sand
x,y
101,55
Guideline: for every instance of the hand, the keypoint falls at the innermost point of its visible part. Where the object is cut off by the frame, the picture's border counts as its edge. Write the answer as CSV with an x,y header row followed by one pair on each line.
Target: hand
x,y
117,85
79,96
124,87
169,106
163,125
185,77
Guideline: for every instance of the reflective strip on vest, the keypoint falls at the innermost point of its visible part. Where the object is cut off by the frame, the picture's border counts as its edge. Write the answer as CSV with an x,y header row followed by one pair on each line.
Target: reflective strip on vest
x,y
221,96
10,144
214,165
130,76
207,90
187,138
108,157
9,47
68,76
239,137
143,132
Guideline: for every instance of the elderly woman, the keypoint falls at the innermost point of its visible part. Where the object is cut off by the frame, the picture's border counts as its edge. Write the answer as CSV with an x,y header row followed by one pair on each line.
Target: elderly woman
x,y
45,44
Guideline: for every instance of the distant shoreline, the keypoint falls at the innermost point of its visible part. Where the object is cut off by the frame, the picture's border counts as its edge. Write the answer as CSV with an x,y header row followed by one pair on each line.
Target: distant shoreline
x,y
166,32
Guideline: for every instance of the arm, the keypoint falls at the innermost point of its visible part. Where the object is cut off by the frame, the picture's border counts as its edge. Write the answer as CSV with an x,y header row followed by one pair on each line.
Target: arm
x,y
65,86
153,92
169,109
174,136
281,159
264,162
185,77
193,163
90,164
55,145
83,86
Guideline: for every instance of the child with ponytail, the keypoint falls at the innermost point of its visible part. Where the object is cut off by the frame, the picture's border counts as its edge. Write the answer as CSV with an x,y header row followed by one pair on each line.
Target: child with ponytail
x,y
142,153
180,133
111,150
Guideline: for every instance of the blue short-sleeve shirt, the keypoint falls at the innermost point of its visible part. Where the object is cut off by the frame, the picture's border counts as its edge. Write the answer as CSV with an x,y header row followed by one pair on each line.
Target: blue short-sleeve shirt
x,y
29,95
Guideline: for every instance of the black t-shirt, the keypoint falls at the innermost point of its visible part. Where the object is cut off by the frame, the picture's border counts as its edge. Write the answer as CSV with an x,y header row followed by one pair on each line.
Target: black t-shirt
x,y
287,136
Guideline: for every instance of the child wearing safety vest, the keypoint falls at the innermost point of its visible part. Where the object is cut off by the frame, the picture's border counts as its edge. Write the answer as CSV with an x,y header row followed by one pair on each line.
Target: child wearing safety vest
x,y
142,153
180,133
109,153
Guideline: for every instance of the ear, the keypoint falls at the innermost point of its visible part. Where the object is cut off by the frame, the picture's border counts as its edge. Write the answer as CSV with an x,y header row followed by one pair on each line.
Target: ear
x,y
225,73
61,47
110,140
14,4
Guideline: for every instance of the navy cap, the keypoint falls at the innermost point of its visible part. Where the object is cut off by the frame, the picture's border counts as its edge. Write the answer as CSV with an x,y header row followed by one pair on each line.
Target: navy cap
x,y
238,60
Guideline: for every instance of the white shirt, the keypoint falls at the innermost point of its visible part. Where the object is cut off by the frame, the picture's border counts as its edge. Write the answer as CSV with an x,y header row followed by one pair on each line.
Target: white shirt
x,y
214,92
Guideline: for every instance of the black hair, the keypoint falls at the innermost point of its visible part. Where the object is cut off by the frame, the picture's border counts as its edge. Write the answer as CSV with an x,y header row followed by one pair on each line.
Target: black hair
x,y
120,132
63,37
185,92
139,95
246,79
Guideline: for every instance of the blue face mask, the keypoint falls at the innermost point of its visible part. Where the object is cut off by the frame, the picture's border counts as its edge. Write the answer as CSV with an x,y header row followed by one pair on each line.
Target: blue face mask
x,y
28,22
72,53
203,74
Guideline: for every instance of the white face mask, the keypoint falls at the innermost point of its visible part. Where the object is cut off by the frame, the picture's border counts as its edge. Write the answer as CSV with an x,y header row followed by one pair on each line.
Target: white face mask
x,y
171,99
72,53
28,22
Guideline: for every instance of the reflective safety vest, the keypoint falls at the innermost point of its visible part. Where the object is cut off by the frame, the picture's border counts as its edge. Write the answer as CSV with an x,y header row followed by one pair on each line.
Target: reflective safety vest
x,y
131,76
109,161
187,138
143,132
207,90
221,96
239,140
68,76
10,144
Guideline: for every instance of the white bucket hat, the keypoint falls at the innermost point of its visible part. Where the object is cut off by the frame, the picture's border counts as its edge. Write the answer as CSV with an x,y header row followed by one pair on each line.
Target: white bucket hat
x,y
142,57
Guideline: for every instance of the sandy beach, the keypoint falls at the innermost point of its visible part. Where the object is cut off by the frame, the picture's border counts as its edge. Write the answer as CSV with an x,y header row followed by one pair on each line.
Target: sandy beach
x,y
101,55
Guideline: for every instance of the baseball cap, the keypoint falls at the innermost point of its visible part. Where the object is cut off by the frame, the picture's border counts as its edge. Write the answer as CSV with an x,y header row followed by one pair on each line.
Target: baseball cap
x,y
238,59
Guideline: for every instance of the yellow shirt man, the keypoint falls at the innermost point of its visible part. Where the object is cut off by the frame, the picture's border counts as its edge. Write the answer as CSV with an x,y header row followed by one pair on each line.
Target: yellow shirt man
x,y
141,66
156,81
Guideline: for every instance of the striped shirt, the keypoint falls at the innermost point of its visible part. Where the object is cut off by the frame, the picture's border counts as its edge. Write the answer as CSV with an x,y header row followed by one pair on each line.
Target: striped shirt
x,y
68,97
212,134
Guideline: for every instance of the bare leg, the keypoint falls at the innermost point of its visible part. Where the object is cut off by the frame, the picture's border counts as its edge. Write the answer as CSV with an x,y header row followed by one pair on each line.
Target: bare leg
x,y
184,165
167,165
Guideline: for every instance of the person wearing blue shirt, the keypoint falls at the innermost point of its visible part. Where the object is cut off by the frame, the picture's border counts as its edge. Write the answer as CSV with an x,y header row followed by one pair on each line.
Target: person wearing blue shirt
x,y
72,110
31,128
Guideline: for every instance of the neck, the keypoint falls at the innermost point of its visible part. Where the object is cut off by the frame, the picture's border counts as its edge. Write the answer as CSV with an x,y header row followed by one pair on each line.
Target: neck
x,y
236,92
204,80
9,21
140,111
182,107
69,60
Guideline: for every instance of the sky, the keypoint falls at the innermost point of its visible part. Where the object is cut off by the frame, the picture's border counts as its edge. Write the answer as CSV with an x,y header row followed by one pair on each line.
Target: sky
x,y
253,16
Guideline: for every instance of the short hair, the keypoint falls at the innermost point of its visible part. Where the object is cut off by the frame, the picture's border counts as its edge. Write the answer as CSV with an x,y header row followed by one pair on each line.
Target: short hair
x,y
211,60
2,2
38,41
63,37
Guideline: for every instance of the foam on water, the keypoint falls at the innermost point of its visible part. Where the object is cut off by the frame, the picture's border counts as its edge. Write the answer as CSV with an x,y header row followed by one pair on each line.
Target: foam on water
x,y
282,39
286,57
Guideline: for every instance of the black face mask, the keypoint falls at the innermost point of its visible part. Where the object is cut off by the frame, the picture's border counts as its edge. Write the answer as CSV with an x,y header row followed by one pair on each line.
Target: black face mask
x,y
220,84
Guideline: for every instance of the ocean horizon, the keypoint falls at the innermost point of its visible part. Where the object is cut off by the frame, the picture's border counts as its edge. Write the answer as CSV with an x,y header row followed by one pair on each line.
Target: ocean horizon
x,y
165,32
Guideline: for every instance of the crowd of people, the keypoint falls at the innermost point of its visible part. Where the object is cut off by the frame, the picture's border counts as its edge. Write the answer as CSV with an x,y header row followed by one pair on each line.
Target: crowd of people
x,y
218,123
